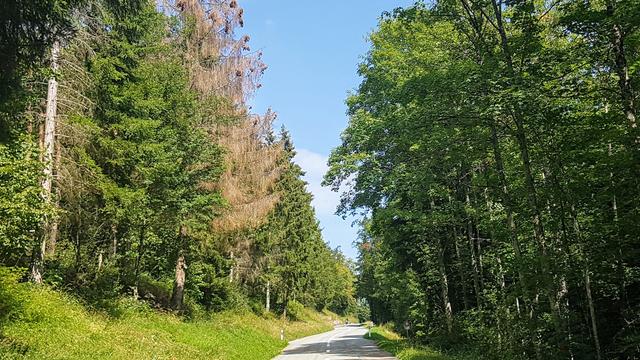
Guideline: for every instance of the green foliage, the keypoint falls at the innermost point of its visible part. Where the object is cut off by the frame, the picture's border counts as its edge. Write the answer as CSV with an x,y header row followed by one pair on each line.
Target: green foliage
x,y
141,166
496,182
295,260
21,207
295,310
363,312
209,286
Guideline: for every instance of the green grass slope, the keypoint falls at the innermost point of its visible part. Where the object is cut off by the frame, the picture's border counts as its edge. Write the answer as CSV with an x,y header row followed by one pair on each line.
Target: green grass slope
x,y
404,350
39,323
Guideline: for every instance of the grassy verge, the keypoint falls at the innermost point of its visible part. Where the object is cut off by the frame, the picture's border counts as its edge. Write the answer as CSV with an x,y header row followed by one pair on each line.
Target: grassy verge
x,y
39,323
403,350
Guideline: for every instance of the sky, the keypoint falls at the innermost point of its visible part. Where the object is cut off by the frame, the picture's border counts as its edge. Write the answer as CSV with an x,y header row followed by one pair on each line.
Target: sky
x,y
312,49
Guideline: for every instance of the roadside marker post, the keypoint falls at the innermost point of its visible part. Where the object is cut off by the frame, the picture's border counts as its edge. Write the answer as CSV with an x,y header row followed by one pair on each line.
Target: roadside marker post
x,y
407,326
281,334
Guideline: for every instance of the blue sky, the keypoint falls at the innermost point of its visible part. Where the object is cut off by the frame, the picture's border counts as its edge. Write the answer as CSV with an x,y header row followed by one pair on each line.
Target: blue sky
x,y
312,49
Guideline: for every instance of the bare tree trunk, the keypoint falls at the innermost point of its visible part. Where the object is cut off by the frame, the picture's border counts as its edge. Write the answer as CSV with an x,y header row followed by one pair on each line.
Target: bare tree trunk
x,y
587,285
592,313
48,157
78,228
478,243
285,303
233,265
177,295
50,123
268,297
448,312
620,265
100,261
114,244
624,80
465,290
53,229
474,257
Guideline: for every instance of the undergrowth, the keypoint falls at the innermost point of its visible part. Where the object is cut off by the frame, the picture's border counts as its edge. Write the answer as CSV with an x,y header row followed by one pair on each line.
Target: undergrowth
x,y
404,349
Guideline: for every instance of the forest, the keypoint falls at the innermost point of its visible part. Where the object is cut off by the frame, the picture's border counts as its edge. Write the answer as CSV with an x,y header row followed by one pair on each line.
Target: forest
x,y
493,149
131,164
492,155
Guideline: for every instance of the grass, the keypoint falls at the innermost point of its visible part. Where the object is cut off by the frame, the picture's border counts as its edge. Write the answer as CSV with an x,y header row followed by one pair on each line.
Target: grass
x,y
403,349
39,323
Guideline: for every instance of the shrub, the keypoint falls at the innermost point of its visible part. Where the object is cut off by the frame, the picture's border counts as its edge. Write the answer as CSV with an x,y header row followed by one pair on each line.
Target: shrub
x,y
295,310
155,292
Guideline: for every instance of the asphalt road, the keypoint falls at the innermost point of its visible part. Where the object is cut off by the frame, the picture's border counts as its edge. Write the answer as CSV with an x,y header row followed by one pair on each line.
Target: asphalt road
x,y
345,342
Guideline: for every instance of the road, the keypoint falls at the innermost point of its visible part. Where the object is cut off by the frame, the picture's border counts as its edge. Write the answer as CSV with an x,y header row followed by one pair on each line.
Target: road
x,y
345,342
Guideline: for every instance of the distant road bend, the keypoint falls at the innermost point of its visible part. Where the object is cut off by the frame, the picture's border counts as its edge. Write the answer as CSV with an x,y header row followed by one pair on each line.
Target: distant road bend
x,y
345,342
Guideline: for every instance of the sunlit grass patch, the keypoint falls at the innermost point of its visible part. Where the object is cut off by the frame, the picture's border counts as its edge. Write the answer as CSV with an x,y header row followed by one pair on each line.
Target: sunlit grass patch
x,y
402,349
40,323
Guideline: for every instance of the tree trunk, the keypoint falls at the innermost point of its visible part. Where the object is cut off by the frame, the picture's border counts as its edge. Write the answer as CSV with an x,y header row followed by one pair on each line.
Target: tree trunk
x,y
627,95
77,246
48,141
53,230
232,268
532,198
50,124
478,243
177,295
474,257
114,244
285,303
460,261
592,313
100,261
268,297
448,312
620,262
587,284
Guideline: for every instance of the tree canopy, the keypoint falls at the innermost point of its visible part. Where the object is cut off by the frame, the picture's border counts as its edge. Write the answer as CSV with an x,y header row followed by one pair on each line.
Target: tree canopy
x,y
493,146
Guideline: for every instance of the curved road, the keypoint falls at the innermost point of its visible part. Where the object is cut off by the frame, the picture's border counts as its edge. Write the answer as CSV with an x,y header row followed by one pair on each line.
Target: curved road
x,y
345,342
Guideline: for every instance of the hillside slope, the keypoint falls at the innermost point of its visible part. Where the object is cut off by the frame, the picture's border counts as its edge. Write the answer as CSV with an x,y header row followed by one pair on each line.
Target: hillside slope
x,y
40,323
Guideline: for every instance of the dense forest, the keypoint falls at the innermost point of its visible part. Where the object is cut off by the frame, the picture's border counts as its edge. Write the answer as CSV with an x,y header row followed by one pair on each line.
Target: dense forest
x,y
131,164
494,150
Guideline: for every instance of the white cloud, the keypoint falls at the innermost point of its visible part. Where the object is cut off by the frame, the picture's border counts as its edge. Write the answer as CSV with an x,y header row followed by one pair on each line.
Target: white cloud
x,y
325,201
